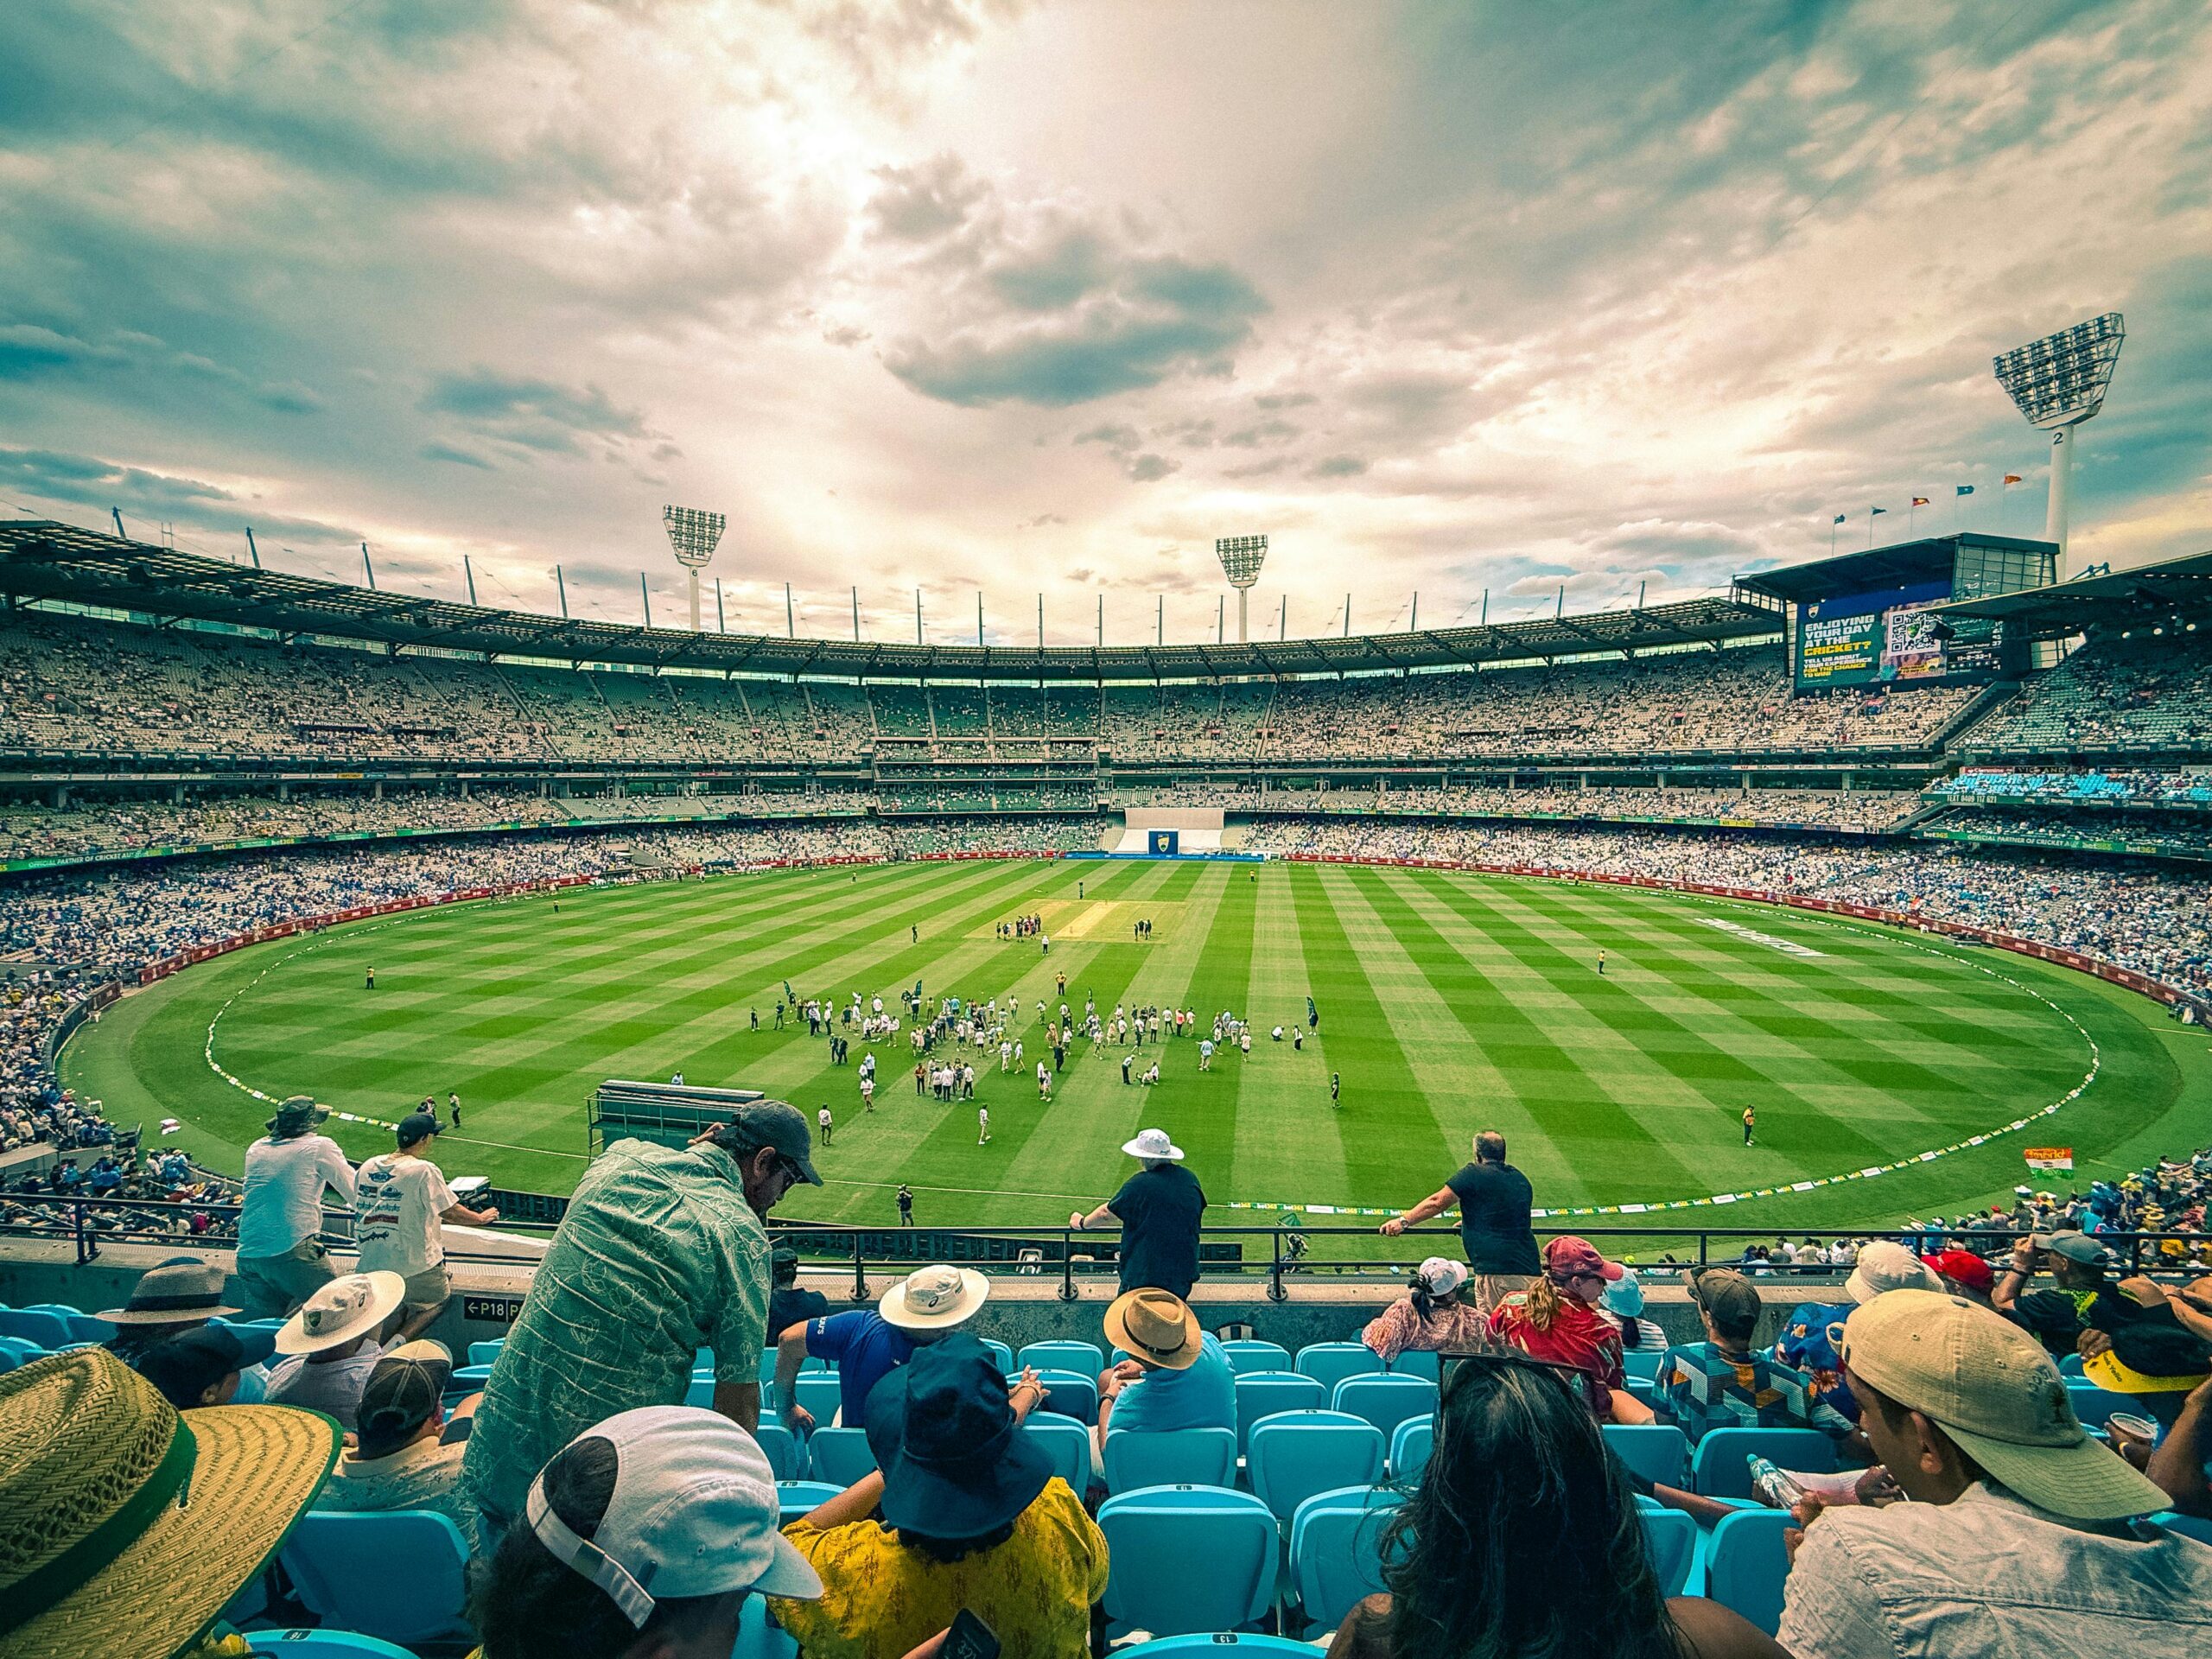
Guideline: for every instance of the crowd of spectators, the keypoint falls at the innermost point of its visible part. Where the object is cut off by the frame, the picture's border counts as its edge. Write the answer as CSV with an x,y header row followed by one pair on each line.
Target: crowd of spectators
x,y
1866,811
2145,692
2188,787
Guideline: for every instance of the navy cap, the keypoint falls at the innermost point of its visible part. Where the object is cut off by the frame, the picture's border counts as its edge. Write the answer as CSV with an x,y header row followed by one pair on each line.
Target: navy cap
x,y
417,1126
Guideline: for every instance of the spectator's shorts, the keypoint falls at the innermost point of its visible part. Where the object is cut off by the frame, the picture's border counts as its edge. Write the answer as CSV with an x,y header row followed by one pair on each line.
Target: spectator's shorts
x,y
275,1286
429,1288
1491,1289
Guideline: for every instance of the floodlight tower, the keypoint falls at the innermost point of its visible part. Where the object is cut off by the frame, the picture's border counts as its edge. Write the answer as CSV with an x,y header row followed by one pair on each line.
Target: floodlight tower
x,y
2058,382
692,536
1241,558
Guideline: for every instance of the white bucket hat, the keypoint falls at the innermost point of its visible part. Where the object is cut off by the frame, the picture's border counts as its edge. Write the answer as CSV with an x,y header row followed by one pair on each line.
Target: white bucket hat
x,y
347,1308
1151,1145
934,1298
1884,1266
693,1513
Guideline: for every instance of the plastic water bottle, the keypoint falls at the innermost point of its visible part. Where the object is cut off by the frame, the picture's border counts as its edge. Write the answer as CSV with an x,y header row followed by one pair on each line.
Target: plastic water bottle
x,y
1773,1484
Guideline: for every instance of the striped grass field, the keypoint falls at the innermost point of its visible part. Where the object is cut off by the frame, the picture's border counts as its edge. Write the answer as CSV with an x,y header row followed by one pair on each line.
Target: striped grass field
x,y
1449,1002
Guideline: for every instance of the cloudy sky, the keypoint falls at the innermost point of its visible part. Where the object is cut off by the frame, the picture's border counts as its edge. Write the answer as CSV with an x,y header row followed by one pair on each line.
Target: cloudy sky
x,y
972,295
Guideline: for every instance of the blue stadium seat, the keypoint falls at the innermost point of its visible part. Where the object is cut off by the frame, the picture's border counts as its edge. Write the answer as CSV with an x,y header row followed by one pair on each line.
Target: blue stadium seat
x,y
1005,1355
1330,1362
1245,1355
1262,1394
2092,1405
1336,1550
797,1497
1211,1641
1657,1451
1152,1537
1672,1538
699,1394
467,1380
1410,1445
1086,1358
1069,1393
1183,1457
20,1350
759,1637
484,1353
83,1327
2070,1366
839,1456
1418,1362
48,1331
822,1394
782,1448
1294,1454
1385,1401
1069,1443
321,1644
1642,1361
1719,1467
346,1567
1748,1564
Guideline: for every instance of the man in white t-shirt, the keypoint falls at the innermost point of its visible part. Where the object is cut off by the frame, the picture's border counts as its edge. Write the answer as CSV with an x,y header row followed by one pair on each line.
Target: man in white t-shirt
x,y
281,1261
401,1202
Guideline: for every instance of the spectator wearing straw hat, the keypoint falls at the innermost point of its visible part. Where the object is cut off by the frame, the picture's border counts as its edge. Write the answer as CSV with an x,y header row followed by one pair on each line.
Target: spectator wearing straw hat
x,y
281,1261
408,1449
101,1555
330,1345
973,1517
181,1294
2014,1542
865,1345
1176,1375
1159,1210
644,1535
661,1252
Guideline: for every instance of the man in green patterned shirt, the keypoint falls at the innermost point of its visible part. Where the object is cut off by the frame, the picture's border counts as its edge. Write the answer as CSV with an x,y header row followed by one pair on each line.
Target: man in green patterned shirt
x,y
661,1253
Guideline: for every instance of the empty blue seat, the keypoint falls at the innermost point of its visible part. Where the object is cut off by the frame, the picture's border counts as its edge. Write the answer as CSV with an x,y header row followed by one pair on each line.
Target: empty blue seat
x,y
782,1448
1211,1641
1748,1564
1385,1400
1182,1457
48,1331
1263,1393
1086,1358
2070,1366
1330,1362
1070,1394
1156,1534
758,1636
1410,1445
1642,1361
839,1456
2092,1405
1671,1537
1720,1466
20,1350
321,1644
699,1394
1336,1550
1294,1454
1245,1355
256,1341
797,1497
348,1569
1068,1442
484,1353
1004,1354
1655,1451
467,1380
820,1394
1418,1362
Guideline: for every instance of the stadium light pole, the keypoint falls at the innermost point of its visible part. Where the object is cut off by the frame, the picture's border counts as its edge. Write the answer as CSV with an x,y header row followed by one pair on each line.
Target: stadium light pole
x,y
693,535
1241,558
251,549
2057,383
468,574
721,620
561,583
856,615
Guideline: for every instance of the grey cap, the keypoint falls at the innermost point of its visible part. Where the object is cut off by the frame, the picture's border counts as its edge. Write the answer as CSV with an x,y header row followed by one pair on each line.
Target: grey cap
x,y
2082,1248
297,1115
772,1123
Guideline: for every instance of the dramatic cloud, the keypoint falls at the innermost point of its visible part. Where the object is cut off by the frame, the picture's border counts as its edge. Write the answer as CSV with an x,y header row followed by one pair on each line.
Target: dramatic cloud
x,y
526,414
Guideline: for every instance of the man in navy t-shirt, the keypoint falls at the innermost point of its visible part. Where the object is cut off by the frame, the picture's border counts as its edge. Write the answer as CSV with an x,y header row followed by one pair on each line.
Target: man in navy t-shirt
x,y
868,1344
1159,1210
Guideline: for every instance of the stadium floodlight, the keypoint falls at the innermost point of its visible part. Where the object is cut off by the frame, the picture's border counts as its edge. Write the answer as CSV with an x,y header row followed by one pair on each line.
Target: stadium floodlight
x,y
2058,382
1241,558
692,536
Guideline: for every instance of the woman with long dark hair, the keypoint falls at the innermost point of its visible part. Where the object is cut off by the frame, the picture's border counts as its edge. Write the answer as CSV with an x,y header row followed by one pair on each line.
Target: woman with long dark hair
x,y
1524,1542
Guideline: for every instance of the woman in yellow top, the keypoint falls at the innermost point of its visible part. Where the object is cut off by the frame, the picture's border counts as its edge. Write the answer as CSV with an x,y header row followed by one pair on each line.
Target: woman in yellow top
x,y
973,1517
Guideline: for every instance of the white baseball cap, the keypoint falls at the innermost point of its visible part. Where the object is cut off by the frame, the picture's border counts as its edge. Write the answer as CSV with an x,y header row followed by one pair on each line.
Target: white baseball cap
x,y
1884,1266
1152,1144
1440,1275
693,1513
934,1298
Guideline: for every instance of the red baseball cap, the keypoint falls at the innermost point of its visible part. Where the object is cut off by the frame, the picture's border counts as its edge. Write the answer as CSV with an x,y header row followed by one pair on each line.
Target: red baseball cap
x,y
1963,1266
1568,1257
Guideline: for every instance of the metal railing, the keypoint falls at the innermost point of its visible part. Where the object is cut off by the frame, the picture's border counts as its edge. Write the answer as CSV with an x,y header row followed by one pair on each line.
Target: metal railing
x,y
1073,1257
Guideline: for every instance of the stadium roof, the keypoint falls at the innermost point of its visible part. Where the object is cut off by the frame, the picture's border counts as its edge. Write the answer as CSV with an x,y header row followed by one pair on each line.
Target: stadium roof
x,y
2121,599
40,560
1899,565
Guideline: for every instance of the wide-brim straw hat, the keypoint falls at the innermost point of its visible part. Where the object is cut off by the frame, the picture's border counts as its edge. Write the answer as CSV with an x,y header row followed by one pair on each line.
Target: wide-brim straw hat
x,y
176,1293
1156,1326
82,1436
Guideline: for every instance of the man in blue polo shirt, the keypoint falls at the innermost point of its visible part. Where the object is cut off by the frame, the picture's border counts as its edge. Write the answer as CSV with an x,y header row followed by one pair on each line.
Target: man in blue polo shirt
x,y
1176,1376
868,1344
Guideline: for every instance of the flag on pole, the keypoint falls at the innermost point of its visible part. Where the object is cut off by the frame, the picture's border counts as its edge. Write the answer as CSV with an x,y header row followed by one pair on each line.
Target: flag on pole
x,y
1919,500
1839,519
2012,478
1966,489
1876,513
